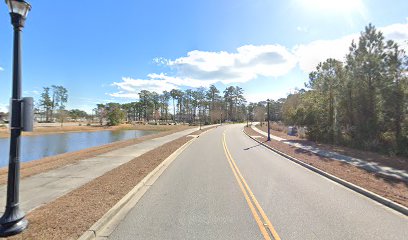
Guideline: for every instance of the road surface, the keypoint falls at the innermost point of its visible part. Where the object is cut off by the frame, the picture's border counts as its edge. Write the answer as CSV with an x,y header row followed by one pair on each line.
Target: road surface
x,y
226,186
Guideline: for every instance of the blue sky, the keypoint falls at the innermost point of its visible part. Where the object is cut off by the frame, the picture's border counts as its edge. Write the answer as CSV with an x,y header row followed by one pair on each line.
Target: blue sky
x,y
104,51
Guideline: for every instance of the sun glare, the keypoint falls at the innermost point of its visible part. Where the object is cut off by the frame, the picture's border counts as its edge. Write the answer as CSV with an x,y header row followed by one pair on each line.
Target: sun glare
x,y
333,5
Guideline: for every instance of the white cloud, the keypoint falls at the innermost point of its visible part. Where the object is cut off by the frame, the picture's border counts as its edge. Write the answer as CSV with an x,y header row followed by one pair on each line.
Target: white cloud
x,y
4,107
302,29
397,32
309,55
1,69
248,62
129,87
201,69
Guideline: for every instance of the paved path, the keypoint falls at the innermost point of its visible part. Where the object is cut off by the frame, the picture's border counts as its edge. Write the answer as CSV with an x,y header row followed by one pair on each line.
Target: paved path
x,y
369,166
202,196
45,187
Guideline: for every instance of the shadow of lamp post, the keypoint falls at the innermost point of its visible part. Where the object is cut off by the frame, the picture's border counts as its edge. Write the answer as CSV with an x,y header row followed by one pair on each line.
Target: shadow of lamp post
x,y
13,220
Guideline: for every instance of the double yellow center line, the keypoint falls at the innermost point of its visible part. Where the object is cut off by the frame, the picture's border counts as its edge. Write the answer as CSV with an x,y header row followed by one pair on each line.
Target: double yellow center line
x,y
264,225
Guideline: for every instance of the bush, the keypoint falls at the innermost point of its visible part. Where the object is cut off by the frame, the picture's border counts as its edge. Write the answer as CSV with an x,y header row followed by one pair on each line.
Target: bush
x,y
277,127
402,148
302,132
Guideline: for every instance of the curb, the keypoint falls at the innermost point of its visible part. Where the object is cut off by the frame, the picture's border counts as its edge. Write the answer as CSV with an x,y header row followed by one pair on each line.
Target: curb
x,y
395,206
102,228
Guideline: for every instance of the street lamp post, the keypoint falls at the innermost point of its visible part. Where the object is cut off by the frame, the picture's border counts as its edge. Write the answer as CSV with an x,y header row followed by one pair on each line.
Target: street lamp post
x,y
13,220
199,116
269,130
221,116
247,118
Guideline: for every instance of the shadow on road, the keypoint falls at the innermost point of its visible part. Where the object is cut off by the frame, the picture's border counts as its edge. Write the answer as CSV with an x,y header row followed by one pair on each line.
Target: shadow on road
x,y
252,146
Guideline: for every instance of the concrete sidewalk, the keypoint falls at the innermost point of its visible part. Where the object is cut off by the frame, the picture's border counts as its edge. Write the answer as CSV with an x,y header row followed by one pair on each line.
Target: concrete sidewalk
x,y
43,188
369,166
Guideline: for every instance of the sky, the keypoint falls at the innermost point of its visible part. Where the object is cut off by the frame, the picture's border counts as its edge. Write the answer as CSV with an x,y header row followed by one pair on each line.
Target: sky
x,y
107,51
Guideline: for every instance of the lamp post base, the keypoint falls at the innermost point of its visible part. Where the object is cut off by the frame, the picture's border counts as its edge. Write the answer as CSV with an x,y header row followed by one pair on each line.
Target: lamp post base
x,y
13,229
12,222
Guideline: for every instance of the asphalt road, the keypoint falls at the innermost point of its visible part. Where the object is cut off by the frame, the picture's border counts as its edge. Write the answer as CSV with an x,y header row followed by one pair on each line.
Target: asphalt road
x,y
226,186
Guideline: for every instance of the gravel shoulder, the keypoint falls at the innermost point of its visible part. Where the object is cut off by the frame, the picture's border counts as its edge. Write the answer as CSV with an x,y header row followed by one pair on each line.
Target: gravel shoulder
x,y
393,189
64,218
52,162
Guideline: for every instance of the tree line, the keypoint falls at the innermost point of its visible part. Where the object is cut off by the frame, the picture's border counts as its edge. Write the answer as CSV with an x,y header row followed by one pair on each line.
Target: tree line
x,y
177,106
361,102
191,106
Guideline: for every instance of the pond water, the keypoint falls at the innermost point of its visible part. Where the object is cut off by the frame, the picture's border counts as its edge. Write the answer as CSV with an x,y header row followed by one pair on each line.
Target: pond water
x,y
37,147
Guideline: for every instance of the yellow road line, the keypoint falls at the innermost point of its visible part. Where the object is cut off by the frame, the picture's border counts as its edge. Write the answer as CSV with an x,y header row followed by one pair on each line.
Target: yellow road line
x,y
242,183
251,206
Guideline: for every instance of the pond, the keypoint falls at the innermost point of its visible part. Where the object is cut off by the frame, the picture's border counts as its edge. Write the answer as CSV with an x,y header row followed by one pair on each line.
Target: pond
x,y
37,147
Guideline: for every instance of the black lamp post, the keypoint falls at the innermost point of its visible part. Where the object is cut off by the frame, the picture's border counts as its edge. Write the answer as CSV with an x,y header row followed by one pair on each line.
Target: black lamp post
x,y
247,120
220,115
13,220
247,117
199,116
269,130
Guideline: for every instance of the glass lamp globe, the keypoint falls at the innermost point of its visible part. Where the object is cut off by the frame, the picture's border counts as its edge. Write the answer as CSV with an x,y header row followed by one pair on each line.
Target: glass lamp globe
x,y
19,7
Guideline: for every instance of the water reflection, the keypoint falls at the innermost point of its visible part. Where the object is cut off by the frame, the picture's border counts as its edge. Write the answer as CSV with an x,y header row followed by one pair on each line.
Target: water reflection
x,y
36,147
